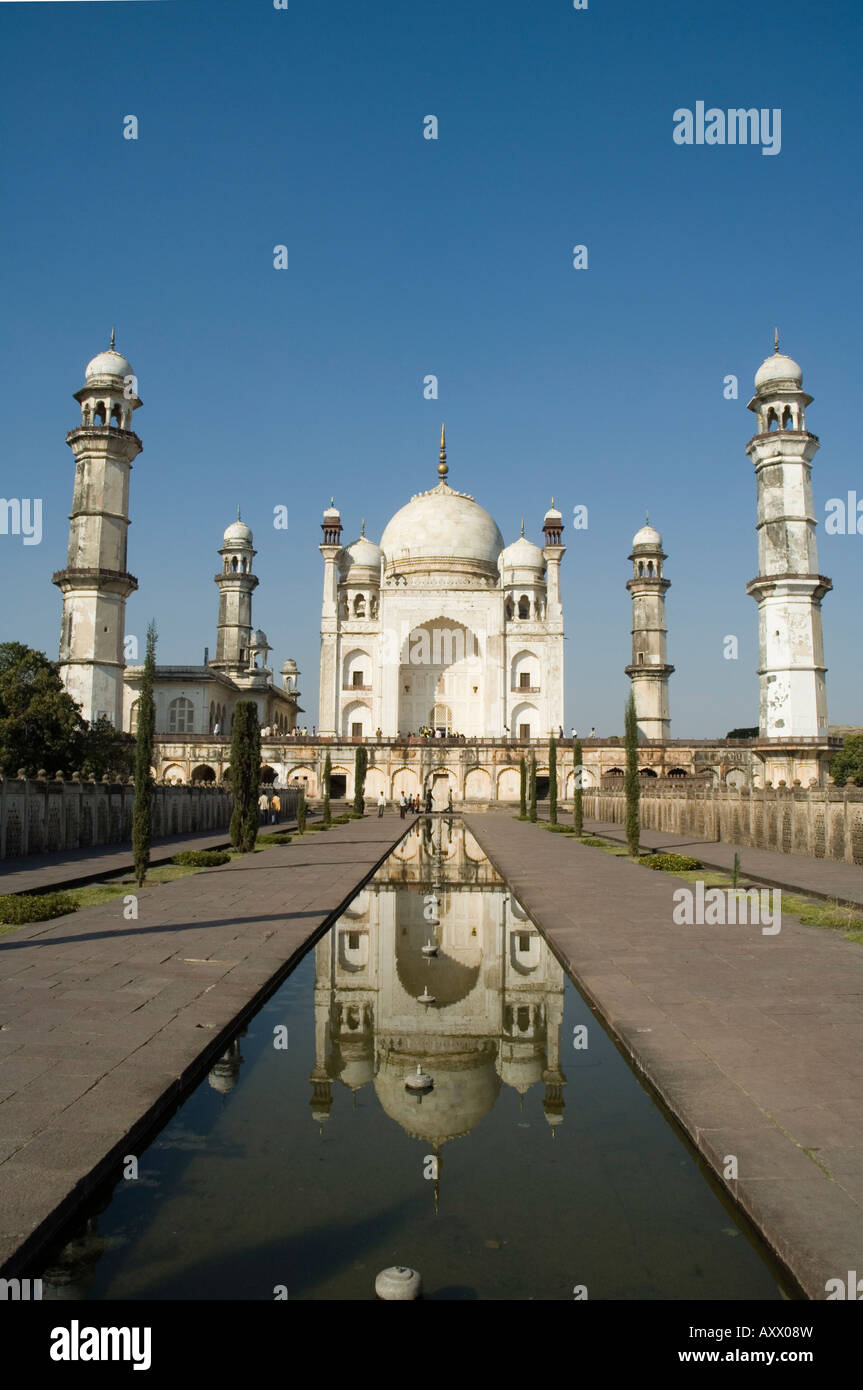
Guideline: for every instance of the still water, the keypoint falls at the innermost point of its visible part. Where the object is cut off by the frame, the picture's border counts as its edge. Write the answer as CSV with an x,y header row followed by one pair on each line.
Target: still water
x,y
533,1168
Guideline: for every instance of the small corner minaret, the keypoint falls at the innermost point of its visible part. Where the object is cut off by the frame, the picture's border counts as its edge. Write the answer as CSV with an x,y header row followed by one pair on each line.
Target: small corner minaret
x,y
331,549
650,670
788,587
236,584
95,583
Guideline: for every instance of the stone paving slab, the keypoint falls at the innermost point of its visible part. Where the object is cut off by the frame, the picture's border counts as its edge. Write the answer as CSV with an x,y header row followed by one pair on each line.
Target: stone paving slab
x,y
798,873
34,873
751,1041
105,1022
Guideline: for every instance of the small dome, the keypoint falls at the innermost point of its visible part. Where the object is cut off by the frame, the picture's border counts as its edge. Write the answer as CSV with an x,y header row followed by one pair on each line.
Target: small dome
x,y
522,554
238,531
259,639
553,514
108,363
647,536
362,552
332,511
290,665
779,370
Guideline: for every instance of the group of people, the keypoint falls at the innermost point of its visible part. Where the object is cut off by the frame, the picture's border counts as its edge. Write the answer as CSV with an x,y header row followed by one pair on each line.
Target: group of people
x,y
413,804
270,808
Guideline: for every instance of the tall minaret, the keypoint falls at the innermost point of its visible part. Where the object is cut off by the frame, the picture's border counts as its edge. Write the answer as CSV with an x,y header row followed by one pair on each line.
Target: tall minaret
x,y
95,583
554,551
650,670
236,586
788,587
330,548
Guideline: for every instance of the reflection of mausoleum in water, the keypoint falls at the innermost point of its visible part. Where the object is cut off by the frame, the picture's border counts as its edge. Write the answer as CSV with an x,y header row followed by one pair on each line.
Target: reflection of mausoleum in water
x,y
497,991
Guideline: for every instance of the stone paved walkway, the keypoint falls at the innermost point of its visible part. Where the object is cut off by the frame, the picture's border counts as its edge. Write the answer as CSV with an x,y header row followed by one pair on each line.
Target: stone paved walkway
x,y
34,873
104,1021
822,878
753,1042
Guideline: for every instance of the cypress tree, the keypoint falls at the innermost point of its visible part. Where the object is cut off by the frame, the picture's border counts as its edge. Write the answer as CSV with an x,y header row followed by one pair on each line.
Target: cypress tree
x,y
301,811
245,775
578,794
532,784
523,794
328,772
141,822
361,762
552,781
631,782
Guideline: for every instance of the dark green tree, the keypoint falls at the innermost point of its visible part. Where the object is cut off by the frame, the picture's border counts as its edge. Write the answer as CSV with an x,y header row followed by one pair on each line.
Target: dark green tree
x,y
552,781
40,723
361,762
106,751
743,733
532,787
847,765
578,793
328,772
523,793
301,811
631,784
245,775
141,811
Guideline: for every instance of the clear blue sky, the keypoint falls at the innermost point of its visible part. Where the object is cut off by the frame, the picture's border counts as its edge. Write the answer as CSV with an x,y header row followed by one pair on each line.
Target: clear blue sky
x,y
406,257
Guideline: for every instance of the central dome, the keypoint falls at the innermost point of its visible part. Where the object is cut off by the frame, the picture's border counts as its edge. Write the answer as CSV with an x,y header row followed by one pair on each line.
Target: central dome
x,y
442,525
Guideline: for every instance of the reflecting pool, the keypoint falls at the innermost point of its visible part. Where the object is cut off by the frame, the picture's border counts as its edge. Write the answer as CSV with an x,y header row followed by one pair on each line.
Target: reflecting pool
x,y
537,1166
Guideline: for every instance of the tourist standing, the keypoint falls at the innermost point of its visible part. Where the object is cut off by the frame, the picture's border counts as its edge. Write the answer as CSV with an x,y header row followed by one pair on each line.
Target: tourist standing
x,y
382,801
263,807
403,806
276,808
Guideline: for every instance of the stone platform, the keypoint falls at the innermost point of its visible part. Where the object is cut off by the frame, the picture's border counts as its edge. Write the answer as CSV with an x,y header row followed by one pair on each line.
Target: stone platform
x,y
752,1042
105,1022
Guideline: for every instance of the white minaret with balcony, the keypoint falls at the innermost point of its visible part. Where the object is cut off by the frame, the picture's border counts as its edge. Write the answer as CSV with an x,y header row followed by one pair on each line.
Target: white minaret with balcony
x,y
236,583
650,670
95,583
788,587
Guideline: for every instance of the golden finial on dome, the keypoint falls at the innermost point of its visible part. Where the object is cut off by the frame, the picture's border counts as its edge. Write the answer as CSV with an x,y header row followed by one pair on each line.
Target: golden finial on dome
x,y
522,526
442,466
776,340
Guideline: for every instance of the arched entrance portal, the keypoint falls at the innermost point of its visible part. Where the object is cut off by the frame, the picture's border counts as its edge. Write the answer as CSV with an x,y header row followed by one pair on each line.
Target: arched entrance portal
x,y
441,679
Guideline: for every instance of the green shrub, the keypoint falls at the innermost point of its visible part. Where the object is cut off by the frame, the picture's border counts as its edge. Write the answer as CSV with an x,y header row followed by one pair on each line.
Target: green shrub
x,y
559,829
594,842
276,838
343,820
201,858
17,908
670,863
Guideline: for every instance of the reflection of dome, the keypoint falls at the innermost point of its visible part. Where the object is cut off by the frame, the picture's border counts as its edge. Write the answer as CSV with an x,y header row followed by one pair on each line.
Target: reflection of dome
x,y
108,363
466,1086
443,525
357,1071
779,371
647,536
521,1072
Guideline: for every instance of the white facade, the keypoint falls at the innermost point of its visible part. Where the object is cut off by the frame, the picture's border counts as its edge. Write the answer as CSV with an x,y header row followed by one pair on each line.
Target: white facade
x,y
441,625
788,587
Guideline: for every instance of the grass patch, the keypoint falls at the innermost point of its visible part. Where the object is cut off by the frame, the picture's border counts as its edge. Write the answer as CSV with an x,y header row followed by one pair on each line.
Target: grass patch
x,y
18,908
202,858
830,916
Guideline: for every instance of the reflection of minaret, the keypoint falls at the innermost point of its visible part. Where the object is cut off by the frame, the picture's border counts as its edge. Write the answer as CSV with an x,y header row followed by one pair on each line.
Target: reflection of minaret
x,y
224,1076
